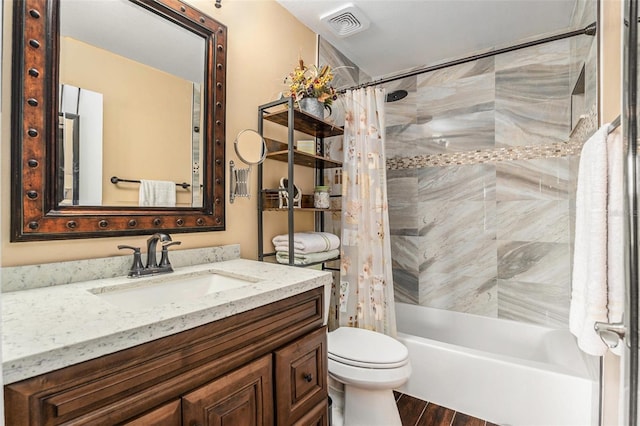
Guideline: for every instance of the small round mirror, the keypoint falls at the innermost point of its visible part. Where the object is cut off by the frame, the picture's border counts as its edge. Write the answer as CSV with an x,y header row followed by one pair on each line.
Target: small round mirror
x,y
250,147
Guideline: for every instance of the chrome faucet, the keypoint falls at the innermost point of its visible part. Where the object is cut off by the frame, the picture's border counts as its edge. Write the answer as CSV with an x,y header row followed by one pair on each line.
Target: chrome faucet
x,y
152,267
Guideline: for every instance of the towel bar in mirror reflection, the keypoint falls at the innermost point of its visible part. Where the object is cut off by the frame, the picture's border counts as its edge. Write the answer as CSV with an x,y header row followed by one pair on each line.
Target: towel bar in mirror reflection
x,y
115,180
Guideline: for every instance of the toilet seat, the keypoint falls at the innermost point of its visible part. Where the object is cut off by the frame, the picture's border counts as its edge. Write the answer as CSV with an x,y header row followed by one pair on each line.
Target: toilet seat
x,y
357,347
369,378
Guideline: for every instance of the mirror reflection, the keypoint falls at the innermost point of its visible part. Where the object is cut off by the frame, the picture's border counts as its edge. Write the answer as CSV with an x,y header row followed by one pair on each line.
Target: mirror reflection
x,y
127,109
80,147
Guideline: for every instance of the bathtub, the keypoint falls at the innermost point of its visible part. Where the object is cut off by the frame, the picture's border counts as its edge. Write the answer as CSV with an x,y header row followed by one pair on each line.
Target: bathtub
x,y
502,371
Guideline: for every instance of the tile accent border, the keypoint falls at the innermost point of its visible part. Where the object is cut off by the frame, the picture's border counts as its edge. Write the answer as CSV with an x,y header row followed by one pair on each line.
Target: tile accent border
x,y
587,125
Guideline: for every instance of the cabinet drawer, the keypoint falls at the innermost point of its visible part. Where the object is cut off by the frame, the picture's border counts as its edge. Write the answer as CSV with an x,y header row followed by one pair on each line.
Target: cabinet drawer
x,y
166,415
301,379
318,416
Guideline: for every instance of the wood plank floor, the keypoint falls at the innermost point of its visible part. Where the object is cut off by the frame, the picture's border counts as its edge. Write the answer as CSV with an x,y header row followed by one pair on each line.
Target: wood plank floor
x,y
416,412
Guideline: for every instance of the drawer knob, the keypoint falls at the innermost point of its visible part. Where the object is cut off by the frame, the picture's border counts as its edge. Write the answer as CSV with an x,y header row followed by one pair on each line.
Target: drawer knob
x,y
307,377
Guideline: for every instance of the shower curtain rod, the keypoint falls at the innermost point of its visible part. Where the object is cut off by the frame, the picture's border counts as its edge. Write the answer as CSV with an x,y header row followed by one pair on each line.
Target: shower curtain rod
x,y
588,30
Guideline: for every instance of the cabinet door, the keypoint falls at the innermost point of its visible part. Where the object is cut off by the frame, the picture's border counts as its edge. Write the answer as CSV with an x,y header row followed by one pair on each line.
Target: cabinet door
x,y
166,415
301,376
319,416
243,397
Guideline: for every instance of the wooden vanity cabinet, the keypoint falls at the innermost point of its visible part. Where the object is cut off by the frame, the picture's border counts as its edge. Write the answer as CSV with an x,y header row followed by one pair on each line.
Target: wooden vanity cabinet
x,y
266,366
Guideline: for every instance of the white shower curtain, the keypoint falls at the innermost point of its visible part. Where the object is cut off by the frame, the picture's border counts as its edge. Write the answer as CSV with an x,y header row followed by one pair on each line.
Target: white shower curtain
x,y
366,282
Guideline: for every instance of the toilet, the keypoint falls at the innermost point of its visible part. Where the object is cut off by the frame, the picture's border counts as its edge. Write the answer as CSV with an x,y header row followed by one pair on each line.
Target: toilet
x,y
364,368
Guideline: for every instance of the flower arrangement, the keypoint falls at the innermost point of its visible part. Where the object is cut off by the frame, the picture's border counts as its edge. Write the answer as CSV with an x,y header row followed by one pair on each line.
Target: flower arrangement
x,y
311,82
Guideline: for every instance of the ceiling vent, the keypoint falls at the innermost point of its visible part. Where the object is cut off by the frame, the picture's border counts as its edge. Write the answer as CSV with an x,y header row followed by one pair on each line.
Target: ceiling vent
x,y
346,21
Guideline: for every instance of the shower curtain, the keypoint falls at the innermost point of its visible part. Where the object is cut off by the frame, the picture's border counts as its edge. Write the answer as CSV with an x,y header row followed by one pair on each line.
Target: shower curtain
x,y
366,282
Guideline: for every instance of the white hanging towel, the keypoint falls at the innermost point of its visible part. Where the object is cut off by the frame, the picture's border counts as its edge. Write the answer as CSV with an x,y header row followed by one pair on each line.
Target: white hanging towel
x,y
157,193
615,233
598,276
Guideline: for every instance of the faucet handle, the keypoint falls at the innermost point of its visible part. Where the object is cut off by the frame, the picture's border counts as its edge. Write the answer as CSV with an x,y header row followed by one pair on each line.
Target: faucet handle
x,y
164,259
171,243
159,236
136,267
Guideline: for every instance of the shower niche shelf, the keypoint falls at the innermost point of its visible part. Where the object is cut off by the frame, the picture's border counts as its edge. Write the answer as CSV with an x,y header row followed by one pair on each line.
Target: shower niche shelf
x,y
283,113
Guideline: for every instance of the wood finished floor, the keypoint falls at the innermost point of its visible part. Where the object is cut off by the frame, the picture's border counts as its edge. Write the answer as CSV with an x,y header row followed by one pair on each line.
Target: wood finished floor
x,y
416,412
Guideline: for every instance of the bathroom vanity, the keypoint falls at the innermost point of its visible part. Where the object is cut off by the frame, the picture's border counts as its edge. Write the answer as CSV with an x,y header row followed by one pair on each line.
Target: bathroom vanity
x,y
253,354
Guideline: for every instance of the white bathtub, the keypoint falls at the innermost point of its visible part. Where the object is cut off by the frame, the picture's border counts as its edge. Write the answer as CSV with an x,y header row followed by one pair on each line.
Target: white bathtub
x,y
502,371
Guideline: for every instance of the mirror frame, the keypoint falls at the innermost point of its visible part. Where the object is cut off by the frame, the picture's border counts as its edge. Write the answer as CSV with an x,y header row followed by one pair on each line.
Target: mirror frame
x,y
35,213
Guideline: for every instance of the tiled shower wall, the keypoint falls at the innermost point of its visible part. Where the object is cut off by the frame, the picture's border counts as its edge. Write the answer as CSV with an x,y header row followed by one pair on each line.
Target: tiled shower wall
x,y
481,179
482,183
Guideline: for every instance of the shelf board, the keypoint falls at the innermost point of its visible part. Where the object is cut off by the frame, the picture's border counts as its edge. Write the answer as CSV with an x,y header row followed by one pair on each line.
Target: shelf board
x,y
273,256
299,209
305,123
303,159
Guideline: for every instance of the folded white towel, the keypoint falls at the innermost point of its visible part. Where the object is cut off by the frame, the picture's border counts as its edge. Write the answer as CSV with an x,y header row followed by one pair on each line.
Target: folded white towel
x,y
597,284
307,242
308,258
157,193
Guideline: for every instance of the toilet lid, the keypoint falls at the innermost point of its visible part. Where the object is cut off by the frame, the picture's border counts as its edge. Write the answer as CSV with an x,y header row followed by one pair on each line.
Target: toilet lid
x,y
364,348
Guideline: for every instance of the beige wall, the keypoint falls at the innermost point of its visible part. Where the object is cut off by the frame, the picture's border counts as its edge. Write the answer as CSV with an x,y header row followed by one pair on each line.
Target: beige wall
x,y
610,107
263,46
144,109
610,60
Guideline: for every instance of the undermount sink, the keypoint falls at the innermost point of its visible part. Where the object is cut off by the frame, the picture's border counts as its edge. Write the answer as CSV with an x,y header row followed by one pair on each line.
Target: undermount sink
x,y
169,289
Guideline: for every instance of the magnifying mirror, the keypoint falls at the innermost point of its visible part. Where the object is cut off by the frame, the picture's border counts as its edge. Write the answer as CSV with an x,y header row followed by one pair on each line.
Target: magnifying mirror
x,y
250,147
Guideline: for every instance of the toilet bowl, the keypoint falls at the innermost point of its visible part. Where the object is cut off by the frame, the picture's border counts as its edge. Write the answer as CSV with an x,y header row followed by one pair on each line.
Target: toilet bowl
x,y
364,368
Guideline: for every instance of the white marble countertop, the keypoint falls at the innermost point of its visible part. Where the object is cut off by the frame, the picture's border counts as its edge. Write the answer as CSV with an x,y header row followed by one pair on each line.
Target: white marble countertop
x,y
49,328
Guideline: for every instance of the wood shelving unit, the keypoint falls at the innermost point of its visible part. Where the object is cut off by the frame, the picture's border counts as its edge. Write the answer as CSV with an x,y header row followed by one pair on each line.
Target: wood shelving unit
x,y
284,113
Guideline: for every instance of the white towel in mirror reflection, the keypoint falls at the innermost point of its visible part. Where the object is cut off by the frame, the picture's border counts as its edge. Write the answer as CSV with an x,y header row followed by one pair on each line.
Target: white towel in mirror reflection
x,y
157,193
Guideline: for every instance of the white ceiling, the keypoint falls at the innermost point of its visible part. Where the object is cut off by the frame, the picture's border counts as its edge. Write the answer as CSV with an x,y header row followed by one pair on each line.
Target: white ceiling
x,y
405,34
129,30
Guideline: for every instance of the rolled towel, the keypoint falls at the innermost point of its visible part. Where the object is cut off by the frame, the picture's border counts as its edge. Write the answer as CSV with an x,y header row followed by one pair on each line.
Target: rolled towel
x,y
307,242
307,258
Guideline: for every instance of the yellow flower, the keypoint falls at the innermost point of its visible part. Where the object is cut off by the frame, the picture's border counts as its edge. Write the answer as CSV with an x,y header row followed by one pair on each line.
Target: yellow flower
x,y
311,82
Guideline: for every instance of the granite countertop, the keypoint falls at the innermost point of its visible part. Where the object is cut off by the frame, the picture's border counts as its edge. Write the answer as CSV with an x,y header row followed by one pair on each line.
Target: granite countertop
x,y
49,328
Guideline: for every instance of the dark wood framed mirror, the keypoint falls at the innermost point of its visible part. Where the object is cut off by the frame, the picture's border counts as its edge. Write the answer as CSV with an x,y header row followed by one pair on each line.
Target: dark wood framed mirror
x,y
43,207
